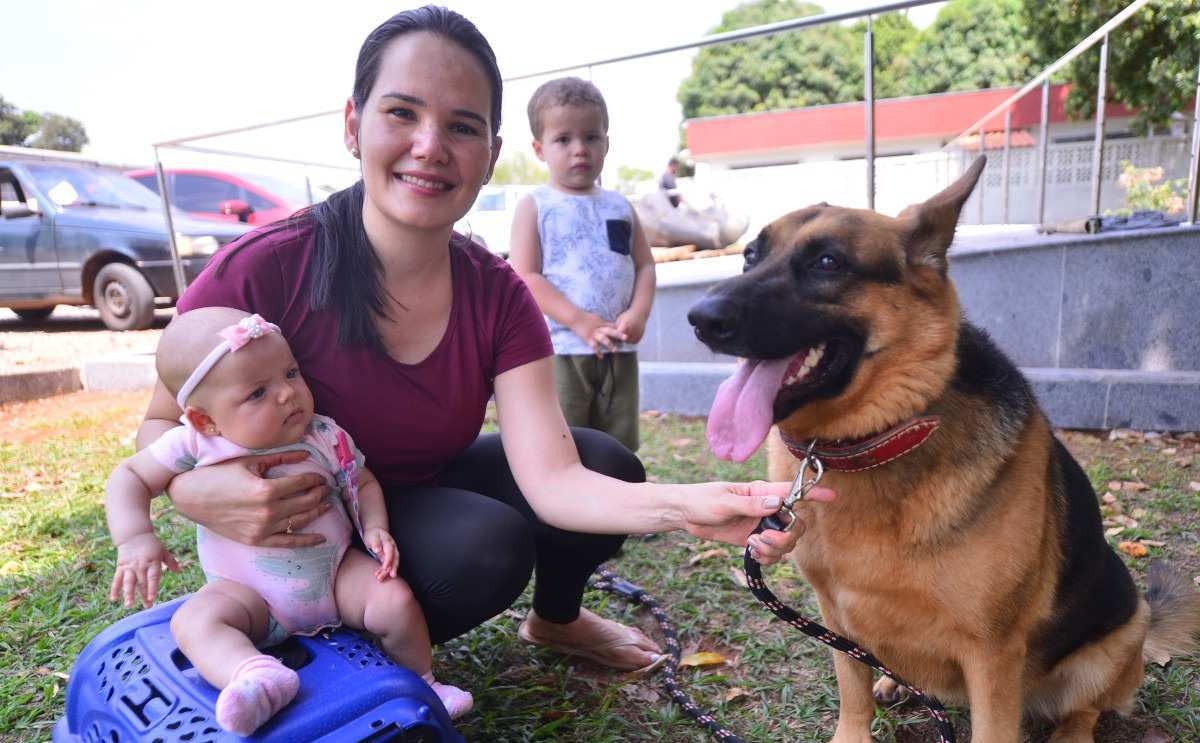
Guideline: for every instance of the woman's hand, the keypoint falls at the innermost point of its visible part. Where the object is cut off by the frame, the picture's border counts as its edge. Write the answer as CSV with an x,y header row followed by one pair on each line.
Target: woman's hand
x,y
235,500
729,512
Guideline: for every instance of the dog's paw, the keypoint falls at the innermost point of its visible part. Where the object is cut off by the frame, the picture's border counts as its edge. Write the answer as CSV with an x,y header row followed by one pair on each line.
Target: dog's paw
x,y
887,692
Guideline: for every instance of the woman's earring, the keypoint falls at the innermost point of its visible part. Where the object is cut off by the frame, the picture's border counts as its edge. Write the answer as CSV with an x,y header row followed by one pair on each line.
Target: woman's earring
x,y
354,152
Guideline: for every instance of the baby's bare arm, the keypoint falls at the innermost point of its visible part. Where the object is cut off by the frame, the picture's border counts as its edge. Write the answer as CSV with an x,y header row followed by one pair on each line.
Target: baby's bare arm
x,y
128,492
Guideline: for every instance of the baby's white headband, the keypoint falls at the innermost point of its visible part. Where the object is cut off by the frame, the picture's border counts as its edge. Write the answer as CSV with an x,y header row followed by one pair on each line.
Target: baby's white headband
x,y
235,336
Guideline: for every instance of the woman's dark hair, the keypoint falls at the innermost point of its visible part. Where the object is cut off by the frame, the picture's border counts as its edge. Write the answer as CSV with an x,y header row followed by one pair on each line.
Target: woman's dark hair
x,y
345,269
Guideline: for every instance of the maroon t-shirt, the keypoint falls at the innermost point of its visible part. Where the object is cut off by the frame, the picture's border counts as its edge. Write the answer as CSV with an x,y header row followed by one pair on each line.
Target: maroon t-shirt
x,y
409,420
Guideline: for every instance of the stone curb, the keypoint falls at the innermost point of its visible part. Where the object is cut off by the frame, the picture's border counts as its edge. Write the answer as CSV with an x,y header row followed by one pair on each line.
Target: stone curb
x,y
115,372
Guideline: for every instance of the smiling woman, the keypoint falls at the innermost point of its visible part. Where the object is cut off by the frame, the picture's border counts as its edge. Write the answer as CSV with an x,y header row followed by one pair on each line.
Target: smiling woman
x,y
404,331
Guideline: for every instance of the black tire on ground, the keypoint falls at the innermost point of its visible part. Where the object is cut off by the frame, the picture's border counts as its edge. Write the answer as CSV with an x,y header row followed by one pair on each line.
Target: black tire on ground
x,y
33,314
124,297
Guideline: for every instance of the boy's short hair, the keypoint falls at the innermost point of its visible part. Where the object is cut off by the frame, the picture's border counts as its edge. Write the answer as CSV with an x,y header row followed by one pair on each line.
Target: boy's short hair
x,y
564,91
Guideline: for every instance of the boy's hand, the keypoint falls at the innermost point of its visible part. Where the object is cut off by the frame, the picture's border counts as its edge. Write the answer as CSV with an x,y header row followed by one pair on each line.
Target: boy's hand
x,y
381,543
139,565
632,324
600,335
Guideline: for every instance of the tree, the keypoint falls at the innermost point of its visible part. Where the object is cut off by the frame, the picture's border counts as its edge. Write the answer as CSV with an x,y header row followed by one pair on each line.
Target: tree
x,y
972,44
16,126
895,37
519,169
59,132
792,69
1152,57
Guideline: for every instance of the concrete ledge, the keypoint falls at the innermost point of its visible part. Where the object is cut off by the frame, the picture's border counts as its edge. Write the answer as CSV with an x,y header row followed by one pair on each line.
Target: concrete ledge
x,y
1072,398
119,372
32,385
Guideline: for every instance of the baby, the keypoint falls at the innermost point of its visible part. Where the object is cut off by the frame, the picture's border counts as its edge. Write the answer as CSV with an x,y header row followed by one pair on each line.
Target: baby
x,y
241,393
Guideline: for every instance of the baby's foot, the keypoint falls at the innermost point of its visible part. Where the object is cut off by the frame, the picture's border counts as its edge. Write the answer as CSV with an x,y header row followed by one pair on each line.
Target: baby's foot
x,y
456,701
260,687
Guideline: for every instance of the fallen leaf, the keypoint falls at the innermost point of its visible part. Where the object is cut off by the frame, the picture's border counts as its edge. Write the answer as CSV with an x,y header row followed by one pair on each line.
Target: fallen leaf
x,y
680,443
1153,543
1194,486
1109,497
1114,531
1134,487
739,577
641,693
1156,735
1139,513
1125,521
1114,485
717,552
1170,450
707,658
736,693
1133,549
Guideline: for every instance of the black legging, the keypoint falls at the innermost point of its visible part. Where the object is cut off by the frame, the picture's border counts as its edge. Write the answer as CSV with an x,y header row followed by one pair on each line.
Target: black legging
x,y
468,547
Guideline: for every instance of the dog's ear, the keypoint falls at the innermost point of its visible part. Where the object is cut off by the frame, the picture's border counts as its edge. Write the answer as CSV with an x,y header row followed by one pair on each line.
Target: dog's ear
x,y
931,223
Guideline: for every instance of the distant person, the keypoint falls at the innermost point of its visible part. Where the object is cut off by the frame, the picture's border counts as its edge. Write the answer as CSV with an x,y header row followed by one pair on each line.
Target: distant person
x,y
240,388
405,331
584,255
667,183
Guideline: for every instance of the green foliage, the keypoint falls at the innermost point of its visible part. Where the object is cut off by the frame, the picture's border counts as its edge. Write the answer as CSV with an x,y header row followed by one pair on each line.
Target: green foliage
x,y
48,131
59,132
16,126
628,178
1152,56
1146,190
519,169
972,44
809,67
895,37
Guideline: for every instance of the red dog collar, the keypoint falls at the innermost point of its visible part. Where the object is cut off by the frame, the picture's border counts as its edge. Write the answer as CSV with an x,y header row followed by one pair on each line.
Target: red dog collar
x,y
855,455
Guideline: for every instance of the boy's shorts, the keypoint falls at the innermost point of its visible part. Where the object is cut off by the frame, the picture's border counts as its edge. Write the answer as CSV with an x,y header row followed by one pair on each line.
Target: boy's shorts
x,y
600,392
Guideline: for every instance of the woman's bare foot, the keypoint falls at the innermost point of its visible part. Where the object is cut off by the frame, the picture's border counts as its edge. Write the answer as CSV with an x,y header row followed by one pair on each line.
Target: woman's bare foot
x,y
593,637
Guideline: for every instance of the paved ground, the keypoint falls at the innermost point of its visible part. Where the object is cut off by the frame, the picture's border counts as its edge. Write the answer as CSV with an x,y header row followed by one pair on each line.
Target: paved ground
x,y
67,338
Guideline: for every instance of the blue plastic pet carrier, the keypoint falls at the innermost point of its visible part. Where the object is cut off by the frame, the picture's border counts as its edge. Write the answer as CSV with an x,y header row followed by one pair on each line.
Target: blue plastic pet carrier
x,y
131,683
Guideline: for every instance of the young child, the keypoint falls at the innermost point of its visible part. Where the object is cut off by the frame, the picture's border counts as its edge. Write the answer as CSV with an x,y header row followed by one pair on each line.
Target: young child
x,y
583,254
234,377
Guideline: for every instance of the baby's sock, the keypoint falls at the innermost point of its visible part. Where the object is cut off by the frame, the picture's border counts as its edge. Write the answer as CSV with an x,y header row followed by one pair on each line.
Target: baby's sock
x,y
456,701
259,687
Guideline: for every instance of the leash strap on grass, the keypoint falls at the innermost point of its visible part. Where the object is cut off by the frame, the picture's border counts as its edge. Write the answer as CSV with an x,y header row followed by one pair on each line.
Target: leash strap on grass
x,y
610,581
759,588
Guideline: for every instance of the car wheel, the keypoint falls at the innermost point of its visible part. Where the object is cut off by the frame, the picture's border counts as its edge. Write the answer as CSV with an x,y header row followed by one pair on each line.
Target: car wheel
x,y
33,314
124,298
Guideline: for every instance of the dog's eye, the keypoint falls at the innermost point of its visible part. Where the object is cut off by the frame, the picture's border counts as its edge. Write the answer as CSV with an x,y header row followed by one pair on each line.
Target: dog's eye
x,y
826,263
750,256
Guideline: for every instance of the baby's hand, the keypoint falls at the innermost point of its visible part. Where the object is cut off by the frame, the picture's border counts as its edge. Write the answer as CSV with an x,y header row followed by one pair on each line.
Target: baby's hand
x,y
384,547
139,565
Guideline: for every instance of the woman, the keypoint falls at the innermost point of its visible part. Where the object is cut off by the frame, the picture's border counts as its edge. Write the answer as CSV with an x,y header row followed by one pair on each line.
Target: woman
x,y
404,330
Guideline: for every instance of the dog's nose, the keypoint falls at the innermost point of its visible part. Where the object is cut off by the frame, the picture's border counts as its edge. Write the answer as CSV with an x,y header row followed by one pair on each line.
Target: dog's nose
x,y
715,319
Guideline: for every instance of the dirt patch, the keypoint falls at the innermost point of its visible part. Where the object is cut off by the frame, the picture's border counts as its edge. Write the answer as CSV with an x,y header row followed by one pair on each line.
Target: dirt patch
x,y
32,421
67,338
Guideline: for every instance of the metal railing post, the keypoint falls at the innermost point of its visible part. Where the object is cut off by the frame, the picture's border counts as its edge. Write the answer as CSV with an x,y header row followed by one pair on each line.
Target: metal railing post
x,y
869,97
979,189
1194,171
1007,162
1043,151
176,263
1098,147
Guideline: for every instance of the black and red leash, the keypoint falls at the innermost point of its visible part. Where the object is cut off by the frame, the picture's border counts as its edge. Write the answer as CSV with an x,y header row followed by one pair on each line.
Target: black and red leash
x,y
610,581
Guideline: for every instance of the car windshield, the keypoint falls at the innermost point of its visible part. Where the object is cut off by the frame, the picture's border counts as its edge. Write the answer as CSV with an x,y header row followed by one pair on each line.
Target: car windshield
x,y
292,192
69,185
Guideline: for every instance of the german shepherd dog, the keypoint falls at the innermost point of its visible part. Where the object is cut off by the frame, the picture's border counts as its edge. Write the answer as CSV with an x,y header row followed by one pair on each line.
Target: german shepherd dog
x,y
965,548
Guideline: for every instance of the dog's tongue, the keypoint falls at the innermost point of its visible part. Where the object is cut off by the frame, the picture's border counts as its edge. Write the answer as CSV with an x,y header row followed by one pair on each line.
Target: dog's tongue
x,y
741,413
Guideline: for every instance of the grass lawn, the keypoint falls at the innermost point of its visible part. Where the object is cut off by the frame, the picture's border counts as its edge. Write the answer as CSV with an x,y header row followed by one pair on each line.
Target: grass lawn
x,y
776,685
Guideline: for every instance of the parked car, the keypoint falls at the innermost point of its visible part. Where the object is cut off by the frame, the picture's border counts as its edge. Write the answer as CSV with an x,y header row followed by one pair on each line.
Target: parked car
x,y
489,222
80,235
212,194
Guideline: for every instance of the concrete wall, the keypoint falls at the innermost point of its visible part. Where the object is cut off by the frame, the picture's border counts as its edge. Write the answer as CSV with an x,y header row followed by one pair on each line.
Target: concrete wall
x,y
1105,326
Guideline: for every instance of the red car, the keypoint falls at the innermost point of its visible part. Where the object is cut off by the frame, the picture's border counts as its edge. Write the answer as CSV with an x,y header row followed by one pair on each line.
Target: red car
x,y
213,194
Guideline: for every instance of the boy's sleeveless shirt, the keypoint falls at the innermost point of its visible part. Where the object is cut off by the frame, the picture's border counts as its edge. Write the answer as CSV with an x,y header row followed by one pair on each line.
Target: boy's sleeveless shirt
x,y
586,245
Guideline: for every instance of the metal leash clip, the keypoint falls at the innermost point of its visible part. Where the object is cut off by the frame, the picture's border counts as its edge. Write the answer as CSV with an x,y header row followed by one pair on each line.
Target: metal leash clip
x,y
802,483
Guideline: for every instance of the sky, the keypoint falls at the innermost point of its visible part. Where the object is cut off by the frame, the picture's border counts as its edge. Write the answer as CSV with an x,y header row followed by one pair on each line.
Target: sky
x,y
137,72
